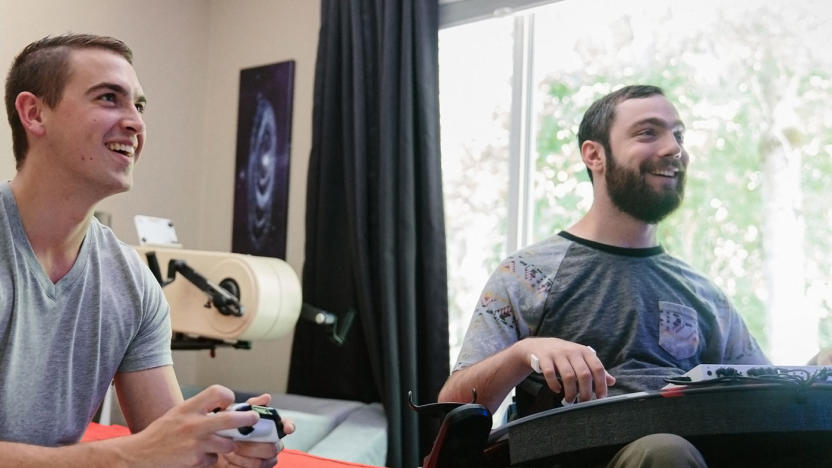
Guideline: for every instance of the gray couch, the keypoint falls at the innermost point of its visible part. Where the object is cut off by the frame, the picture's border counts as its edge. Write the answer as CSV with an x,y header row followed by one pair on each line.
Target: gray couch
x,y
339,429
343,430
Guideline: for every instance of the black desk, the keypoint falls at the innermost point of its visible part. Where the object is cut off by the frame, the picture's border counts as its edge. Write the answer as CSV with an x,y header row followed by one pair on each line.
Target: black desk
x,y
724,422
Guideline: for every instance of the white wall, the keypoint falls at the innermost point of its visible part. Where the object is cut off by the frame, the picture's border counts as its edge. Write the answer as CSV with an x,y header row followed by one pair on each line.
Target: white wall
x,y
188,54
243,35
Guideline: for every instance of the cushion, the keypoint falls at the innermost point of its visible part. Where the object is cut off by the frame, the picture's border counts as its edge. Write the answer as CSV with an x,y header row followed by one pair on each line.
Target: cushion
x,y
362,437
286,458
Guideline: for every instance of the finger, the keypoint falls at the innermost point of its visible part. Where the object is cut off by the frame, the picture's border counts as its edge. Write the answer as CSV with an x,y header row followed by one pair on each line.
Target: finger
x,y
239,461
568,379
208,459
549,372
288,426
260,450
229,463
583,377
219,444
261,400
229,420
598,373
213,397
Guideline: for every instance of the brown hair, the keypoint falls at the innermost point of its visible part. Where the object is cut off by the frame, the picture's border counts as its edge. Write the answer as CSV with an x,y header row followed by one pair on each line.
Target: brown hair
x,y
597,121
42,69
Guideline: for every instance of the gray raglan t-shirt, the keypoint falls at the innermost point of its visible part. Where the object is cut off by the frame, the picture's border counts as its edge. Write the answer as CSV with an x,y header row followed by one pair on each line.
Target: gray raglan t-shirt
x,y
62,343
647,314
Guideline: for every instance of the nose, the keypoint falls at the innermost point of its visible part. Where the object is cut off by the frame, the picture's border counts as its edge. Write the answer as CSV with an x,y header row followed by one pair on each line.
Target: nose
x,y
672,147
133,121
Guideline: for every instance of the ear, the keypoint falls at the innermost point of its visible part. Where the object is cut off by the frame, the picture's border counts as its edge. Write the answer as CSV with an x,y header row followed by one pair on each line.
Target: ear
x,y
30,111
594,157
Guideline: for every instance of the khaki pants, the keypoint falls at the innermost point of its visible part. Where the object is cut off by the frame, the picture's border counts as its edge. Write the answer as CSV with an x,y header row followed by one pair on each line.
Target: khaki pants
x,y
658,451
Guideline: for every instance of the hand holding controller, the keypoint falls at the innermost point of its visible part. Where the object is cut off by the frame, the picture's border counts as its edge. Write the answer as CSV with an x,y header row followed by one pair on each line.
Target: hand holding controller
x,y
534,362
268,429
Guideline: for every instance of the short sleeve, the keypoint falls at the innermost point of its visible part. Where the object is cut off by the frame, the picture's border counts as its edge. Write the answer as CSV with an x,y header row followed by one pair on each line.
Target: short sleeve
x,y
740,346
151,345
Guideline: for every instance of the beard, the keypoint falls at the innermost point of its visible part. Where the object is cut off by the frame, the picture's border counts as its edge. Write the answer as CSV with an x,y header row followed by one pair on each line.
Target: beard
x,y
631,193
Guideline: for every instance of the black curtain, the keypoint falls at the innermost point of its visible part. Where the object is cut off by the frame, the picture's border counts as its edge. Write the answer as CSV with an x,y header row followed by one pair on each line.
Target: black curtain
x,y
375,234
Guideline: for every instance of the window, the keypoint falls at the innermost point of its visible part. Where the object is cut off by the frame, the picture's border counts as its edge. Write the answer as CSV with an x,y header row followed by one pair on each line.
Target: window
x,y
752,82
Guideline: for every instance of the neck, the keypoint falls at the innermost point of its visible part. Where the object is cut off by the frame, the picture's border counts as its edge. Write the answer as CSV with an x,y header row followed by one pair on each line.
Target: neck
x,y
606,224
55,220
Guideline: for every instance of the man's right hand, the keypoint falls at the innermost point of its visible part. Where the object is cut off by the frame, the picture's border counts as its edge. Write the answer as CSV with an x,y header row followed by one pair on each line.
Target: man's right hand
x,y
569,368
186,434
577,366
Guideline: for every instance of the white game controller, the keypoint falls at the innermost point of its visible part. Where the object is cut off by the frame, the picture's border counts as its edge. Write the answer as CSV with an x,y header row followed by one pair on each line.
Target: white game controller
x,y
269,427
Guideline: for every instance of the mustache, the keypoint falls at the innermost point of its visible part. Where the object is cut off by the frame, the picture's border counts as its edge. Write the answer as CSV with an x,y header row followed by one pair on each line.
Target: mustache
x,y
651,166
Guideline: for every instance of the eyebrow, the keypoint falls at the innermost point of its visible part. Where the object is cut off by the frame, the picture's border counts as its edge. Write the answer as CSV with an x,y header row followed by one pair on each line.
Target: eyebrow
x,y
674,125
116,88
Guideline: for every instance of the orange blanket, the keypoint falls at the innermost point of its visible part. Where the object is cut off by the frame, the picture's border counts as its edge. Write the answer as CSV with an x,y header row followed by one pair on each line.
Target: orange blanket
x,y
287,458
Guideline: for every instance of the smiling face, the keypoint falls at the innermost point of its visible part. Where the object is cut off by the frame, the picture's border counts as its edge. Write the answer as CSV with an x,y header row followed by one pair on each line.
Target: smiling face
x,y
646,161
95,134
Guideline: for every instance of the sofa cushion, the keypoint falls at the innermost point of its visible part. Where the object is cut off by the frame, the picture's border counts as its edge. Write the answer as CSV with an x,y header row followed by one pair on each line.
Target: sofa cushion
x,y
314,417
360,438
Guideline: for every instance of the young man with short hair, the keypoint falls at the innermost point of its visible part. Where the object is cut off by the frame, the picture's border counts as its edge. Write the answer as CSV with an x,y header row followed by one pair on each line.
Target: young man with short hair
x,y
78,309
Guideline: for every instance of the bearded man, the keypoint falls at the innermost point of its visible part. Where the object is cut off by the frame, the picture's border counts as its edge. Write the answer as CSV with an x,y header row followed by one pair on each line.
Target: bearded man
x,y
601,308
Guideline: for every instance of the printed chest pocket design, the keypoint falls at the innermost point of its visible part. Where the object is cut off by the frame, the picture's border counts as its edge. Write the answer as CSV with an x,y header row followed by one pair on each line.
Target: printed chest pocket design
x,y
678,330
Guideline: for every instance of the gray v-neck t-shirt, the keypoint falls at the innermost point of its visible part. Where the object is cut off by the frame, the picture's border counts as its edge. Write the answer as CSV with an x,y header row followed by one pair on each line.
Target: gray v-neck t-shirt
x,y
62,343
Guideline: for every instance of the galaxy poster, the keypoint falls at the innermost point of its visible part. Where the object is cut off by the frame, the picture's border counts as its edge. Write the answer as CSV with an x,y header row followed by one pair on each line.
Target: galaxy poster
x,y
264,128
